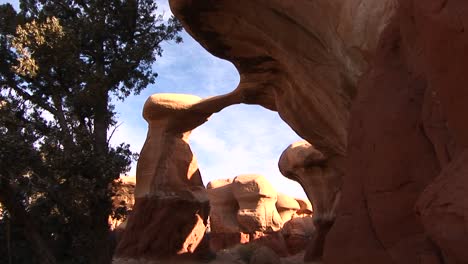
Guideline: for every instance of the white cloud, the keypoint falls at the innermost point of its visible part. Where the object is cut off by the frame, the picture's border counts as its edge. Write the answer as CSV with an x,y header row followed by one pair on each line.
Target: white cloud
x,y
242,140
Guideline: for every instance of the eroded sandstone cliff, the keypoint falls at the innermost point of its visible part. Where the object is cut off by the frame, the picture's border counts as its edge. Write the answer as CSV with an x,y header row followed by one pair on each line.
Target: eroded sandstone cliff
x,y
378,88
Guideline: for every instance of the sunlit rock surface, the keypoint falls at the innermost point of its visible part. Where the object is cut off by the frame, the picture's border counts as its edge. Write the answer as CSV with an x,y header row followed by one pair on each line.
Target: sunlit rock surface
x,y
378,87
171,209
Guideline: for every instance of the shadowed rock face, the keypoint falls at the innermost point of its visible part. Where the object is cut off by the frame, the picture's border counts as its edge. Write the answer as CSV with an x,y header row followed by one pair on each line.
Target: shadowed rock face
x,y
297,233
321,179
404,196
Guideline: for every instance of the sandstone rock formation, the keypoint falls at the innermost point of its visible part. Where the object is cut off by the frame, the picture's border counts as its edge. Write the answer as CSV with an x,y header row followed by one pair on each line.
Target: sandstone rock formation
x,y
225,230
407,153
224,207
256,199
123,199
167,178
378,87
321,179
297,233
305,207
301,58
286,206
251,215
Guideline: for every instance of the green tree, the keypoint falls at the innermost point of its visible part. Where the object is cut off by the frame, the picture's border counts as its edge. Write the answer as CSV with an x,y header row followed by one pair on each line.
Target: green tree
x,y
61,61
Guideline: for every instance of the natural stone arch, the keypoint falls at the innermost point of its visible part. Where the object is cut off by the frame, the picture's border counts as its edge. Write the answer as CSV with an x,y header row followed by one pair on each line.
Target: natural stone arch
x,y
168,181
307,69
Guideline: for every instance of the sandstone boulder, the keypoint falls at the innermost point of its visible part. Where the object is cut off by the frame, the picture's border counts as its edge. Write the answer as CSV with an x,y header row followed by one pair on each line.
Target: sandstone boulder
x,y
297,233
224,228
256,198
286,206
224,207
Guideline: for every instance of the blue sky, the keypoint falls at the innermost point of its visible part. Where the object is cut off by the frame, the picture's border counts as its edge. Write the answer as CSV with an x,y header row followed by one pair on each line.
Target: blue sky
x,y
240,139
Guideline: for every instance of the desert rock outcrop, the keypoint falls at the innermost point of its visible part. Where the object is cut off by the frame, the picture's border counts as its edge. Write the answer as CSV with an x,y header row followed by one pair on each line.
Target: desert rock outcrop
x,y
297,233
171,209
321,180
305,207
251,216
224,228
378,87
123,199
256,198
404,199
301,58
286,206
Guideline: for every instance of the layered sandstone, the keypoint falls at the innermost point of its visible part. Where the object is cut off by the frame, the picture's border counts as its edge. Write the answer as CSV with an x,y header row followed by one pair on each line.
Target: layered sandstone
x,y
171,209
301,58
321,179
247,209
380,95
404,196
256,198
287,207
225,230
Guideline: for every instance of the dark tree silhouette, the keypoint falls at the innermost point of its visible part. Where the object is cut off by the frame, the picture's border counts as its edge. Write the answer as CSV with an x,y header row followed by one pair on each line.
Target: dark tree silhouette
x,y
60,63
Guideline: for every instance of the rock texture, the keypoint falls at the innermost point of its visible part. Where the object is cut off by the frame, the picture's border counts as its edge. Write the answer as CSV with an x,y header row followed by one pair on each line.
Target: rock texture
x,y
404,196
167,178
247,209
293,56
286,206
298,233
123,199
256,199
378,88
321,179
224,206
264,255
302,59
305,207
225,231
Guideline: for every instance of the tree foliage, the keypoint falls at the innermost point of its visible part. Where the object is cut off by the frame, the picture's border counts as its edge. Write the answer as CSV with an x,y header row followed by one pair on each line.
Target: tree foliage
x,y
61,61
